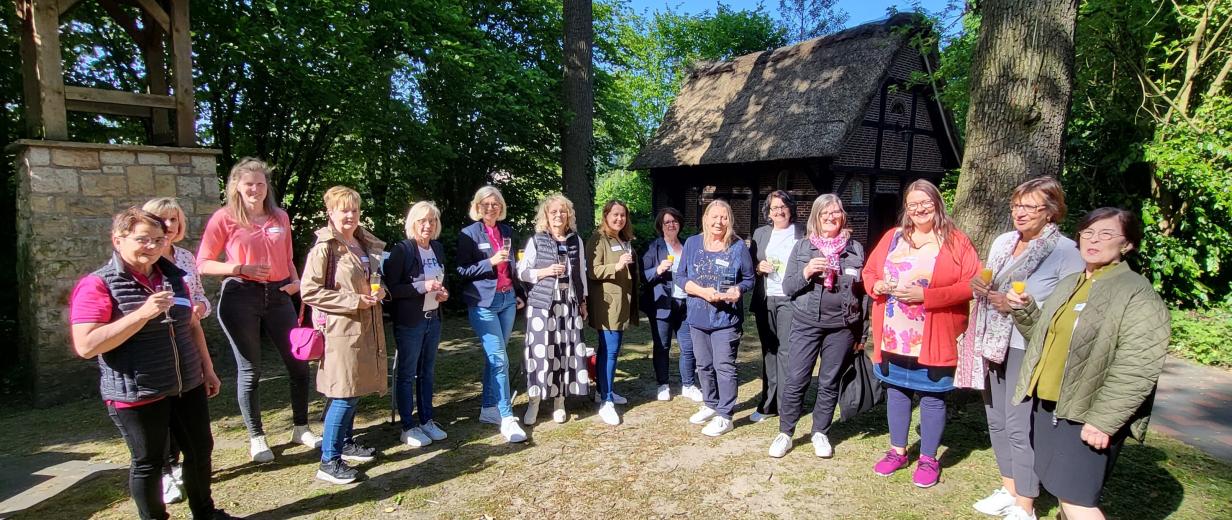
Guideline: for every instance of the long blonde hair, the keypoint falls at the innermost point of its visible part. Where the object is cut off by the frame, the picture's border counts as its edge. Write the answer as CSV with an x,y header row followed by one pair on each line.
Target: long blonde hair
x,y
424,209
541,213
235,204
943,226
730,236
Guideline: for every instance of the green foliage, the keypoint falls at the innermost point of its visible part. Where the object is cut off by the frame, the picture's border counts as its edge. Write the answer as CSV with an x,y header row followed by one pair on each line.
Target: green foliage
x,y
633,188
804,19
1203,336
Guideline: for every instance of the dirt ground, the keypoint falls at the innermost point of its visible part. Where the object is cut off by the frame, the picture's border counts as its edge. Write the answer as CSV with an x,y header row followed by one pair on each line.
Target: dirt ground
x,y
654,465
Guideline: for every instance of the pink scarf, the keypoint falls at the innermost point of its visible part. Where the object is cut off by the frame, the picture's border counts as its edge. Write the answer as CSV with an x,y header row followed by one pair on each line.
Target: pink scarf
x,y
830,248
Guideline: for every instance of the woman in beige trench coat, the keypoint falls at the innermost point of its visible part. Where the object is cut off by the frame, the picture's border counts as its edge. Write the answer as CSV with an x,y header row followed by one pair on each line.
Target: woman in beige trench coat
x,y
337,283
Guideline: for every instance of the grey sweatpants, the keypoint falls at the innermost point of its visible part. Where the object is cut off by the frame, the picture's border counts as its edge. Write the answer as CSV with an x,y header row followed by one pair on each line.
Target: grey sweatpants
x,y
1009,425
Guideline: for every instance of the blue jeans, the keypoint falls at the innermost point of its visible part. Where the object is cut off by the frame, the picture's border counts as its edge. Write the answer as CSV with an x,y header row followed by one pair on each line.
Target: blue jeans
x,y
661,332
605,361
493,325
339,427
415,371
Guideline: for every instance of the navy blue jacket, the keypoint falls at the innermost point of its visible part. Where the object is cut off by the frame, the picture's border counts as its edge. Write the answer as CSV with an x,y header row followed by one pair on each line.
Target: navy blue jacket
x,y
656,296
402,267
705,269
477,273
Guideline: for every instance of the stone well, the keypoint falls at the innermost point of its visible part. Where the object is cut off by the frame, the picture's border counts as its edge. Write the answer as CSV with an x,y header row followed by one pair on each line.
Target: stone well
x,y
67,193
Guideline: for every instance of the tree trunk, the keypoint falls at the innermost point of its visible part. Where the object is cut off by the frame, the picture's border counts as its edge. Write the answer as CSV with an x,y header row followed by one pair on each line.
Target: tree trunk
x,y
577,144
1022,75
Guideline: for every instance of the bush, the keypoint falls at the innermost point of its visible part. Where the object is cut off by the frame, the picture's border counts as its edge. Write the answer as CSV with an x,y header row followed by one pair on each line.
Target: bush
x,y
1203,336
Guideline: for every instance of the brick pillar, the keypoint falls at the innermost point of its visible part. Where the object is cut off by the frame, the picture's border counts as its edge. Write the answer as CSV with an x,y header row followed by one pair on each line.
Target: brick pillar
x,y
67,194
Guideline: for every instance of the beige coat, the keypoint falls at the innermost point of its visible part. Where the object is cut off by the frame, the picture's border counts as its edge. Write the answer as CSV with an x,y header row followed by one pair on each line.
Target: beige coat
x,y
612,298
355,362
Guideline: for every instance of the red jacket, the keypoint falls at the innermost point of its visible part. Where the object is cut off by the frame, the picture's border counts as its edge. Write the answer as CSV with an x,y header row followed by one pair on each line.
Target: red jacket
x,y
946,300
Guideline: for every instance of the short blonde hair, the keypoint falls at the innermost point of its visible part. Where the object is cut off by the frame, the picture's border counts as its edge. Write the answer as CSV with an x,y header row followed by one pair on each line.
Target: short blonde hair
x,y
163,205
421,210
730,236
820,204
483,193
541,213
339,197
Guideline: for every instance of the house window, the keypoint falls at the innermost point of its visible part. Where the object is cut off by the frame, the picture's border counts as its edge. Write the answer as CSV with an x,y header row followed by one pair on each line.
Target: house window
x,y
898,108
857,193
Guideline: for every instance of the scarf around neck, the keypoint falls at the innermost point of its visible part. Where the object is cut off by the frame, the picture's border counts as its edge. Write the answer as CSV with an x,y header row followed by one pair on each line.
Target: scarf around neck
x,y
830,248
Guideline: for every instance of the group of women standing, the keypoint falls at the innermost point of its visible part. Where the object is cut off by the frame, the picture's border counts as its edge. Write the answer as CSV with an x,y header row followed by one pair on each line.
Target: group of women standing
x,y
1062,393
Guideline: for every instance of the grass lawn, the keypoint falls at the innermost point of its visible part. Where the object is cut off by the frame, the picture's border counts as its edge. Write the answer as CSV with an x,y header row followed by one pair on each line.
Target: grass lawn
x,y
654,465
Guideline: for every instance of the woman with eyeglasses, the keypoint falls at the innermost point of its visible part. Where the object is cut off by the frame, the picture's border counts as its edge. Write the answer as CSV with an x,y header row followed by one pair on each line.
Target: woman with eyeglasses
x,y
771,248
664,304
919,276
990,354
1095,349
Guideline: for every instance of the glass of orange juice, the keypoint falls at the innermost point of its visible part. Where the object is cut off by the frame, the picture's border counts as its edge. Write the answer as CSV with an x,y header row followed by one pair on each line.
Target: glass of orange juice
x,y
671,258
374,283
521,253
986,275
1019,286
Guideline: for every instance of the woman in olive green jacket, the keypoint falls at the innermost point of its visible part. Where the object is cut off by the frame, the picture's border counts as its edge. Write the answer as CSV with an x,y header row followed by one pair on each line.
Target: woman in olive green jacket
x,y
1094,354
612,299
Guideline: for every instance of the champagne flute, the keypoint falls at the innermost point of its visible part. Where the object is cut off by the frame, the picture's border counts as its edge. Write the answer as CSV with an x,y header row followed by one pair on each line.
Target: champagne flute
x,y
374,283
521,254
891,279
166,286
506,243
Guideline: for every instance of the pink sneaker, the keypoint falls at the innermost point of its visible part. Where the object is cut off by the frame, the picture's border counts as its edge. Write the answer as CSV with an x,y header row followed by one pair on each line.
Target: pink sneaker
x,y
890,463
927,472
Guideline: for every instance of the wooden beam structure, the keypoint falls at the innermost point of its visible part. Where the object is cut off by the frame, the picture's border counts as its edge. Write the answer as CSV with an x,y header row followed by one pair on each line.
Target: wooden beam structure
x,y
164,38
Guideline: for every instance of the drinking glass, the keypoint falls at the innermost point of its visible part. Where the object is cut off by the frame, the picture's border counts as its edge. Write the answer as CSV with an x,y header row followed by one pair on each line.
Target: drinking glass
x,y
166,286
374,283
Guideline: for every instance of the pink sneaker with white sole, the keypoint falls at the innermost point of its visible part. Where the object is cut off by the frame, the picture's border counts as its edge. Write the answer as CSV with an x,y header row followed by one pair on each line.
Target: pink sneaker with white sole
x,y
891,462
927,472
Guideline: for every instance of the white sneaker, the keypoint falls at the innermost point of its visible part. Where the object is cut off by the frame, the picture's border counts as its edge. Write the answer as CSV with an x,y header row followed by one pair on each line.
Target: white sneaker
x,y
664,393
173,488
511,430
607,412
433,430
415,438
258,450
490,415
703,414
759,417
692,392
782,443
1017,513
717,426
821,445
532,411
558,410
302,435
996,504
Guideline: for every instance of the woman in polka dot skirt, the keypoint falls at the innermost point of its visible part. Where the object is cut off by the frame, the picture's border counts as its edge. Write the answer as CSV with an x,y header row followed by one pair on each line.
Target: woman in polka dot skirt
x,y
555,268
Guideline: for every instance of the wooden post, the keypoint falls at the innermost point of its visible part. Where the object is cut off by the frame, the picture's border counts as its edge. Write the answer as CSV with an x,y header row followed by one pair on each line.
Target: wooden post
x,y
181,54
152,50
42,73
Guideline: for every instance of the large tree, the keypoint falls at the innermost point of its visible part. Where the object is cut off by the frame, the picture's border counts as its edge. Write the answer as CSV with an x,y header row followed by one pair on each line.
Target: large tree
x,y
806,19
577,161
1022,74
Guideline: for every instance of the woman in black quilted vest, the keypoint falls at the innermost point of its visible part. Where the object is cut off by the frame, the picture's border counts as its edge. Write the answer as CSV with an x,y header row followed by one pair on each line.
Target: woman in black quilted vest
x,y
134,315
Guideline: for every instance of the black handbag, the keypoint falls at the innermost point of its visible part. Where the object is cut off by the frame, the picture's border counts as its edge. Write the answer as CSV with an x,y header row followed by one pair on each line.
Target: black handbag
x,y
859,390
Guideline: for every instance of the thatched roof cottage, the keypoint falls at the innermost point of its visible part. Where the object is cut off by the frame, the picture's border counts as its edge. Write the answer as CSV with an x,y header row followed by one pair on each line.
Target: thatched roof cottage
x,y
837,114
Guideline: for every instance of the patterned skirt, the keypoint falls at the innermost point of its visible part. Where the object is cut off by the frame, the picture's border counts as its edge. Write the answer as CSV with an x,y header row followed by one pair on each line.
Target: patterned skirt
x,y
555,357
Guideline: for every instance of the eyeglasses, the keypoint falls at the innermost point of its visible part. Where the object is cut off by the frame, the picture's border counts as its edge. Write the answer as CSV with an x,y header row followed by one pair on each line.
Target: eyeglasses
x,y
670,223
778,208
925,205
147,241
490,205
1029,209
832,214
1103,234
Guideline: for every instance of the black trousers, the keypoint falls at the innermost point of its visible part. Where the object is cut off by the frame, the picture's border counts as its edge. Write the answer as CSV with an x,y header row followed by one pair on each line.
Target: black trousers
x,y
773,326
807,344
144,429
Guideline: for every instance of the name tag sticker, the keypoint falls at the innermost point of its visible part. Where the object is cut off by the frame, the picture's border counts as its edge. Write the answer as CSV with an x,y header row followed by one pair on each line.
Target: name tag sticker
x,y
617,247
183,302
1079,307
485,246
274,230
851,271
722,263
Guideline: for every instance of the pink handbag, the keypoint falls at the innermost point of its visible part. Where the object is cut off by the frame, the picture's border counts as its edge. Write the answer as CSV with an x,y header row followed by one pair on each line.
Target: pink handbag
x,y
307,343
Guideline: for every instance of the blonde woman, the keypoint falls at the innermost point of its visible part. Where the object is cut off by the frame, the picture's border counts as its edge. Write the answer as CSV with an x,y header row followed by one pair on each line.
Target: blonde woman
x,y
338,276
613,268
486,267
555,269
716,270
823,283
255,296
415,275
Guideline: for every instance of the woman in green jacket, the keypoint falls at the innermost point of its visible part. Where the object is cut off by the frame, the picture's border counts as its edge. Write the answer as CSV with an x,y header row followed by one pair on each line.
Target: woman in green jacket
x,y
612,298
1095,351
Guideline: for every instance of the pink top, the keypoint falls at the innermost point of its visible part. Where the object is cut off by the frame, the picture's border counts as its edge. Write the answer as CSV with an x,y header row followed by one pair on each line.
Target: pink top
x,y
504,282
91,303
269,244
903,325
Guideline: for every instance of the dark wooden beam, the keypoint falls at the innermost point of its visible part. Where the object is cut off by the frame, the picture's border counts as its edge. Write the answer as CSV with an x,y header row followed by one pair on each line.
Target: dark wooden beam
x,y
181,62
106,108
915,97
116,97
155,58
42,73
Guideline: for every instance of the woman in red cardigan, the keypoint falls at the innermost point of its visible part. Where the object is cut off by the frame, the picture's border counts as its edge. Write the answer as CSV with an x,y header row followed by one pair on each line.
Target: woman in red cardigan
x,y
918,276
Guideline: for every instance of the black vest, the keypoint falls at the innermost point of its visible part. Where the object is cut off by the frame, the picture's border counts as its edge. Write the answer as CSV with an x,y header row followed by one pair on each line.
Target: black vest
x,y
161,358
546,248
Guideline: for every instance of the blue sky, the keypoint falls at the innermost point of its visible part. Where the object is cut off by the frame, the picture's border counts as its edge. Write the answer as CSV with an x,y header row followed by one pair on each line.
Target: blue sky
x,y
860,11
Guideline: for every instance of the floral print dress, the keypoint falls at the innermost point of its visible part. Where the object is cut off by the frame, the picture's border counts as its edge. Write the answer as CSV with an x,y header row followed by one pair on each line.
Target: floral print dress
x,y
902,330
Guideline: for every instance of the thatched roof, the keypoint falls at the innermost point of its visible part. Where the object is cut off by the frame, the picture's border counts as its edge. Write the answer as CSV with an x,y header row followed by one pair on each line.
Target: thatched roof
x,y
801,101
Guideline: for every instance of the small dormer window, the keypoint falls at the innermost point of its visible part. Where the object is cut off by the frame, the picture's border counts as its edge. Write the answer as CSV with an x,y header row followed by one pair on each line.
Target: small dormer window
x,y
898,108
